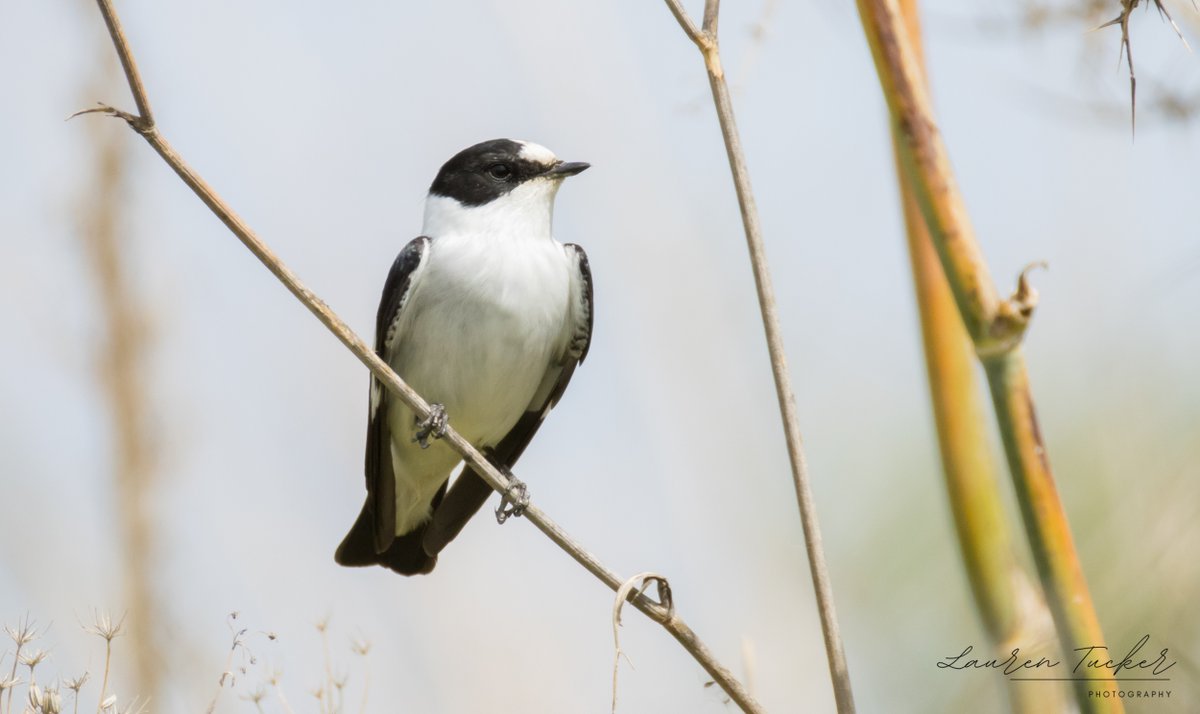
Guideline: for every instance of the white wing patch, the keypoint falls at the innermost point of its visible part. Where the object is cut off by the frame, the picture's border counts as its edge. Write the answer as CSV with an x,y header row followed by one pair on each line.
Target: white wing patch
x,y
376,396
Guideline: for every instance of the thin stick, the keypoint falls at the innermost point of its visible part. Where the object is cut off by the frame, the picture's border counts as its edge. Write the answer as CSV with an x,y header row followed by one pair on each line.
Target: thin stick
x,y
274,680
363,648
996,327
104,681
327,701
23,631
706,41
144,125
125,54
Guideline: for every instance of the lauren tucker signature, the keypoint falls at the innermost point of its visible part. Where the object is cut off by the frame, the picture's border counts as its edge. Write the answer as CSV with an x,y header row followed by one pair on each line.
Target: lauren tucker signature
x,y
1091,658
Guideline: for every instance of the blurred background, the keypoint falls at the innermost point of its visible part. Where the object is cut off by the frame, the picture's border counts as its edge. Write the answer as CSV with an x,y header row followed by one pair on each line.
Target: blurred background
x,y
182,439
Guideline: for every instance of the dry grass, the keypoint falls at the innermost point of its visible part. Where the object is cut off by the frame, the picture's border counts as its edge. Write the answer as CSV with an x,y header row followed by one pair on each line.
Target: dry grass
x,y
25,693
25,687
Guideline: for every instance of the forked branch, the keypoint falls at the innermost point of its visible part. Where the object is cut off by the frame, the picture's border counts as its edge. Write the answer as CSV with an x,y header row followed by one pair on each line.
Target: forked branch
x,y
143,123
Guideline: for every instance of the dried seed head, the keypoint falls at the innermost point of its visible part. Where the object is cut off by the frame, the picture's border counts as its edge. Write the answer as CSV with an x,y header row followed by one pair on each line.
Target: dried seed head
x,y
76,684
103,626
24,633
45,701
360,646
256,695
33,659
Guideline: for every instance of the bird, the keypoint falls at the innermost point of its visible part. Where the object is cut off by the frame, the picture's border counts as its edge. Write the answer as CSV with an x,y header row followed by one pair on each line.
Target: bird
x,y
486,316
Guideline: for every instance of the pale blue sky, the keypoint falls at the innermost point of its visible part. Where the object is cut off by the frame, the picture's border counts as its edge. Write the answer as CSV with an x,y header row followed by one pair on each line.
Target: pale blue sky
x,y
324,126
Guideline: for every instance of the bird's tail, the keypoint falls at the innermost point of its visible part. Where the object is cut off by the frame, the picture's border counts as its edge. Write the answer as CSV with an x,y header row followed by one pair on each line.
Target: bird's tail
x,y
405,555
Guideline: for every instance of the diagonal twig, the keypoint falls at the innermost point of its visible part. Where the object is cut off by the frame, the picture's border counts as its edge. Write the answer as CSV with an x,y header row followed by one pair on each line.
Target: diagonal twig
x,y
143,123
705,40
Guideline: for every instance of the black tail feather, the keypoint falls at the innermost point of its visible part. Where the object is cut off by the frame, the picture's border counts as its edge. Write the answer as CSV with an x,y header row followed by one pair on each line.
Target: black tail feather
x,y
405,554
465,497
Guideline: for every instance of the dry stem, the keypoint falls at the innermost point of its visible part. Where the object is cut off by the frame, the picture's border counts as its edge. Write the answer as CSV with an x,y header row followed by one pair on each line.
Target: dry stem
x,y
1001,587
705,39
143,124
996,327
104,680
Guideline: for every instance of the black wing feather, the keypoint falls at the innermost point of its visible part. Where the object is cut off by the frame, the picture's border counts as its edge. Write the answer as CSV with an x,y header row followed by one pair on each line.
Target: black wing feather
x,y
585,274
469,491
375,529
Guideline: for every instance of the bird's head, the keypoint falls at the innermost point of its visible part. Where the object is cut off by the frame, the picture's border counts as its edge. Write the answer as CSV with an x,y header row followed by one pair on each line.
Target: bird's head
x,y
497,185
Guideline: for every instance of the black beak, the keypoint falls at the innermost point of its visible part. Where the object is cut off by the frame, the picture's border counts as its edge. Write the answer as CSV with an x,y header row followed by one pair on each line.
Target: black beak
x,y
567,168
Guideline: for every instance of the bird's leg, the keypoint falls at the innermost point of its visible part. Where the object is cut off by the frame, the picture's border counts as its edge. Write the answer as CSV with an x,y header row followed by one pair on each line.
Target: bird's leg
x,y
434,425
513,500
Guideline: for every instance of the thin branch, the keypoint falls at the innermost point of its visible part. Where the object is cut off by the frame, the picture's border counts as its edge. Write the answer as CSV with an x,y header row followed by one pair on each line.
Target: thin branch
x,y
145,117
685,21
712,11
145,126
996,327
706,42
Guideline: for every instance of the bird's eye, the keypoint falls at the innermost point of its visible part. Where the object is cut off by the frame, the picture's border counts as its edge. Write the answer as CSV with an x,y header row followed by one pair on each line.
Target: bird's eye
x,y
499,171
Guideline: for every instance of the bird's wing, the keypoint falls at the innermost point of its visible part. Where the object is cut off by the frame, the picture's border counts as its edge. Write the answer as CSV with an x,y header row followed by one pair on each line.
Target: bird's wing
x,y
381,481
469,491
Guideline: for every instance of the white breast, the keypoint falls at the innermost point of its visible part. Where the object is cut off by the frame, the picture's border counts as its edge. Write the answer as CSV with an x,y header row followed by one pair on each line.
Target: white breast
x,y
484,324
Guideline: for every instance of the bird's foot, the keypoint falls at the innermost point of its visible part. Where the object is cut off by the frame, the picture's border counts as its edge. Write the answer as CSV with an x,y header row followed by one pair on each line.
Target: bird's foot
x,y
513,500
434,425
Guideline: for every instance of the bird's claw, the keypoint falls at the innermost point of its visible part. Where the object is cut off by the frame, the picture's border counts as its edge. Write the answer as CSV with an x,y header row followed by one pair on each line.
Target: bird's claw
x,y
513,500
432,426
